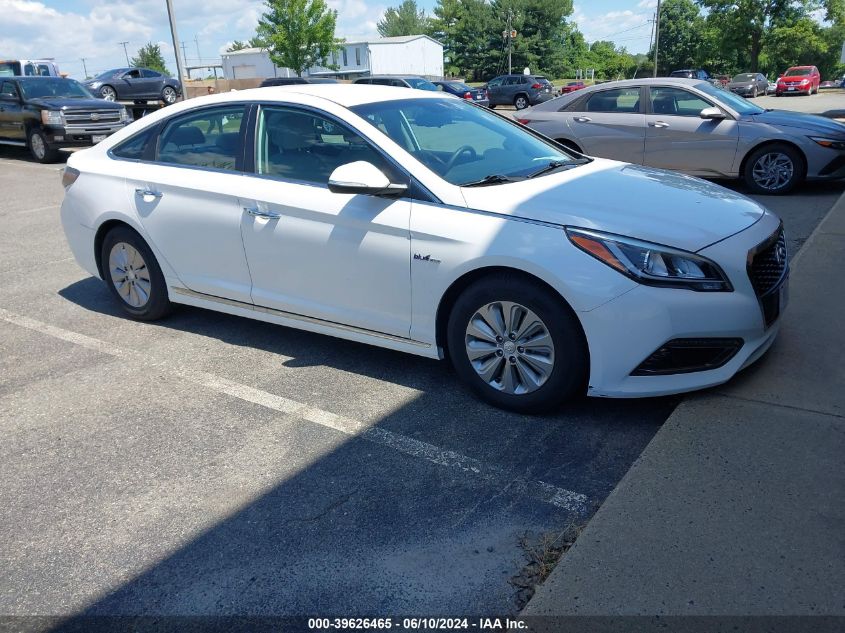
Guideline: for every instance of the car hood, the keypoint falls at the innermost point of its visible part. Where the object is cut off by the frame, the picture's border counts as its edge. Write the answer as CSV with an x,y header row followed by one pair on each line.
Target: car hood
x,y
58,103
808,122
640,202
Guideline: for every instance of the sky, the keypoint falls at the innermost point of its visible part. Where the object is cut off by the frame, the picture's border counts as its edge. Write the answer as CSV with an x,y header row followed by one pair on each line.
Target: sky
x,y
70,30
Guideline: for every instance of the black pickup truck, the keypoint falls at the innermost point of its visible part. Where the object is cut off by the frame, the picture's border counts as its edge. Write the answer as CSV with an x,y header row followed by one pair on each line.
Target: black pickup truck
x,y
47,113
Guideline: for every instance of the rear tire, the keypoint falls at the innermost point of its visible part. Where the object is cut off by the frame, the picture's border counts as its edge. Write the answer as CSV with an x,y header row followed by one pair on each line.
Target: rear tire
x,y
133,276
520,102
168,95
528,350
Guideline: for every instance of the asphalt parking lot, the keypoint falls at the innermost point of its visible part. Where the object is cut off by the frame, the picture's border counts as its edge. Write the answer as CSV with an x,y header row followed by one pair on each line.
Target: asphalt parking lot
x,y
208,464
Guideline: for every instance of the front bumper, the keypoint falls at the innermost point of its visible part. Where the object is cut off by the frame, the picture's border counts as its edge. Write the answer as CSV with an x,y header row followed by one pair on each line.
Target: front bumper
x,y
59,136
624,332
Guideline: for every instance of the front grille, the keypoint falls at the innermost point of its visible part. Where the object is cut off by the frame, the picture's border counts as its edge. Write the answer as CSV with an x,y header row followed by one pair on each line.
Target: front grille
x,y
768,268
81,120
768,263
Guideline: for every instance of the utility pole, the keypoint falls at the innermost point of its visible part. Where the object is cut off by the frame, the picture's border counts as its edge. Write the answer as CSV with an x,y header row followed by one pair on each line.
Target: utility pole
x,y
509,34
179,68
124,51
84,68
656,37
184,54
197,42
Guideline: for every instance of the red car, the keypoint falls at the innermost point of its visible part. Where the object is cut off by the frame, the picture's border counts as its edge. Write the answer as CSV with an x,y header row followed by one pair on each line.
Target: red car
x,y
572,86
798,80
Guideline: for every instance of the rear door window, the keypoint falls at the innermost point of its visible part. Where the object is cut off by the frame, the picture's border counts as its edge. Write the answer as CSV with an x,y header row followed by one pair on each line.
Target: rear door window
x,y
211,138
618,100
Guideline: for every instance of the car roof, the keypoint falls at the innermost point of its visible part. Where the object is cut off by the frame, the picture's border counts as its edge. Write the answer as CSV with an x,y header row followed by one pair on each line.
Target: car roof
x,y
393,77
346,95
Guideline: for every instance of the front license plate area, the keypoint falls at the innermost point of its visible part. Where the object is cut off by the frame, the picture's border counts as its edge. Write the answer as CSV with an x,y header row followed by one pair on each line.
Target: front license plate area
x,y
98,137
774,302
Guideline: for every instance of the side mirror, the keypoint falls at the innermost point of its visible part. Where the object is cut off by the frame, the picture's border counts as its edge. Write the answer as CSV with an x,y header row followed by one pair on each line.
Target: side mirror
x,y
362,177
713,114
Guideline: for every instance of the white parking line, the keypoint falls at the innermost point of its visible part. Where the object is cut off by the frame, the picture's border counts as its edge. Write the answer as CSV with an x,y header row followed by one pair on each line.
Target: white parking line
x,y
542,491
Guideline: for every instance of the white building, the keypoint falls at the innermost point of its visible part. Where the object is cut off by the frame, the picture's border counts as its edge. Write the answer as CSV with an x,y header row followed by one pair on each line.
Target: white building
x,y
406,55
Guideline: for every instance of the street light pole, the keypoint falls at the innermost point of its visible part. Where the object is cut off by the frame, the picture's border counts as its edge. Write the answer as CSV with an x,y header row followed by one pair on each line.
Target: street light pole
x,y
84,68
656,37
175,37
125,52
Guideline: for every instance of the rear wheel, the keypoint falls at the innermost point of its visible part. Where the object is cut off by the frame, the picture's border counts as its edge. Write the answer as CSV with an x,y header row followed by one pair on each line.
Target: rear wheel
x,y
133,276
516,344
520,102
168,95
39,148
774,169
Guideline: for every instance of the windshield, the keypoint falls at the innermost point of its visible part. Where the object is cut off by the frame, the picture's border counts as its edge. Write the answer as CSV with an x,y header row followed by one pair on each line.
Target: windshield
x,y
460,142
9,69
744,77
109,73
458,86
798,72
58,87
733,101
420,84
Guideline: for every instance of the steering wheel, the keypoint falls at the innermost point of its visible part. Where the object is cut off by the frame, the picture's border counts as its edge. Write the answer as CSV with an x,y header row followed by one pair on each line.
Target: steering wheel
x,y
463,149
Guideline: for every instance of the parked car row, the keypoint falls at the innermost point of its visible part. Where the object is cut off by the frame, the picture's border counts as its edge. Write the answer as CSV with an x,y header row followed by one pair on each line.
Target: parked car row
x,y
688,125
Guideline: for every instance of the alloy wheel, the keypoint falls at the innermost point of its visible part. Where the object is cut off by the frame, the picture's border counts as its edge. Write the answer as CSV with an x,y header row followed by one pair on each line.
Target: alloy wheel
x,y
169,95
108,93
129,274
39,149
509,347
773,171
521,103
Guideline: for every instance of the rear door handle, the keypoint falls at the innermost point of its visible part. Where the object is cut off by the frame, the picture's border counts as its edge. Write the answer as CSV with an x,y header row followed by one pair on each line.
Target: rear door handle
x,y
658,124
148,193
257,213
583,119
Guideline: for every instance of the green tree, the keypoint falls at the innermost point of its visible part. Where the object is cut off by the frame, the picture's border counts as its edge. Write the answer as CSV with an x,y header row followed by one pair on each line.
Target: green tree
x,y
745,24
237,45
406,19
256,42
149,56
800,43
464,27
298,34
681,36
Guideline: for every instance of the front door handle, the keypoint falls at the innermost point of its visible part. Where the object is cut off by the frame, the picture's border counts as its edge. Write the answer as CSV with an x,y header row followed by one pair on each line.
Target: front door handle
x,y
583,119
660,124
148,193
257,213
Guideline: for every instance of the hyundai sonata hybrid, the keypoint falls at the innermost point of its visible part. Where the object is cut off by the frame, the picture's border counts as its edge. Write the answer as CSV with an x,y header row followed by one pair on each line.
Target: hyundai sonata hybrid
x,y
425,224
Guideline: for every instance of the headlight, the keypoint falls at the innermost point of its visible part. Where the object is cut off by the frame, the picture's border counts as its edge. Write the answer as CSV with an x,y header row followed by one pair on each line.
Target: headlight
x,y
651,264
124,115
95,84
830,143
52,117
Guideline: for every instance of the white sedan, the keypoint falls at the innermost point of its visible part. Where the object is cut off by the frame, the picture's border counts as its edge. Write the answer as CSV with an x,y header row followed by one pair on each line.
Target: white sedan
x,y
425,224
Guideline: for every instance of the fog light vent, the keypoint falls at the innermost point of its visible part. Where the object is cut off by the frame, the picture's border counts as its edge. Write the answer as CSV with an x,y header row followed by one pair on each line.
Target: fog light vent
x,y
684,355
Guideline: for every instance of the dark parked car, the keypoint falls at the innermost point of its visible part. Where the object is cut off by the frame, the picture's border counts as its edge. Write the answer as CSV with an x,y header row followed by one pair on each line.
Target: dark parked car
x,y
520,91
46,113
749,84
135,84
292,81
460,89
401,81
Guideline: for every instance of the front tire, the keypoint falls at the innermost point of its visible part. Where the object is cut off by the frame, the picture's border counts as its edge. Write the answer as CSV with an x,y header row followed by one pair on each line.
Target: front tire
x,y
774,169
108,93
133,276
516,344
39,148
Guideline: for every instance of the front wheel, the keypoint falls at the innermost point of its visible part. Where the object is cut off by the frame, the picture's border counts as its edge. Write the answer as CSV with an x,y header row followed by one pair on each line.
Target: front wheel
x,y
754,94
39,148
774,169
133,276
108,93
168,95
516,344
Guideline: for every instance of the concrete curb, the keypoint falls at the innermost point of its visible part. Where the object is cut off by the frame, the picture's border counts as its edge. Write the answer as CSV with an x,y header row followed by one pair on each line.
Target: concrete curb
x,y
737,506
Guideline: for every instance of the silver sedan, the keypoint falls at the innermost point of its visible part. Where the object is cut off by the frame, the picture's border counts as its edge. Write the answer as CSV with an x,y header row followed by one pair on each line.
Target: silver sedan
x,y
690,126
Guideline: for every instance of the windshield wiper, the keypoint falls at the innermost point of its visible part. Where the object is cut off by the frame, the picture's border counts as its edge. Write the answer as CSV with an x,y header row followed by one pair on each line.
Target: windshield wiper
x,y
557,164
490,179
